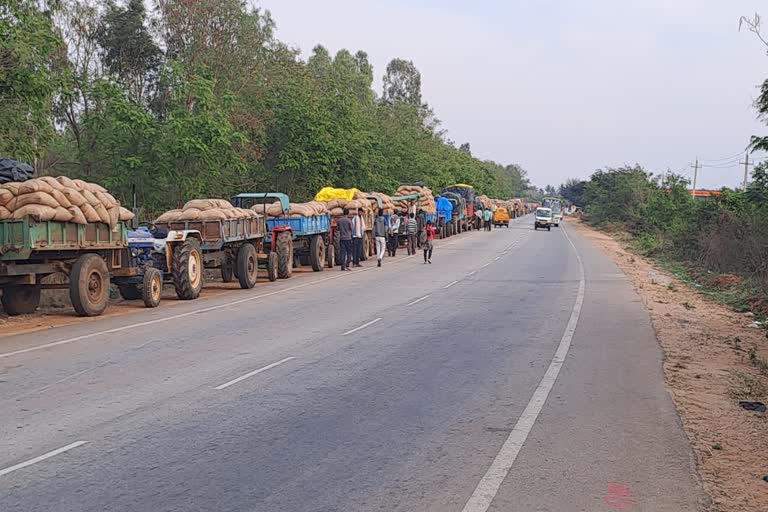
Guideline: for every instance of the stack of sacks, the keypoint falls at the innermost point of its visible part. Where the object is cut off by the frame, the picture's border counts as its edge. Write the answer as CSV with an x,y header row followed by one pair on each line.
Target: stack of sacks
x,y
61,199
386,203
329,193
206,209
485,201
336,206
309,209
426,203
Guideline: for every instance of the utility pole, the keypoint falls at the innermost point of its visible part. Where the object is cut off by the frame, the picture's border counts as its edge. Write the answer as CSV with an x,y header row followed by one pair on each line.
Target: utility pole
x,y
746,168
696,167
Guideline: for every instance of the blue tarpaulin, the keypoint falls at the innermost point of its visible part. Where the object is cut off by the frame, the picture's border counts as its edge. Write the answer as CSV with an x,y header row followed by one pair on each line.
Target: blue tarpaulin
x,y
444,208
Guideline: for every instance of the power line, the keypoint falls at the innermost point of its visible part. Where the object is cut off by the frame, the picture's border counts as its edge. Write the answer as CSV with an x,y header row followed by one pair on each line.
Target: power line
x,y
714,160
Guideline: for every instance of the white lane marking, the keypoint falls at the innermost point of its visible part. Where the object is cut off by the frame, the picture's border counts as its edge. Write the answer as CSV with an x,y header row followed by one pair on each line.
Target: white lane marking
x,y
418,300
497,258
183,315
489,485
450,284
255,372
486,265
472,273
362,326
48,455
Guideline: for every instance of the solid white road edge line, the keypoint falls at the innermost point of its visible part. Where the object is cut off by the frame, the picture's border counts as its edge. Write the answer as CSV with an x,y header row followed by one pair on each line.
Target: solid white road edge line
x,y
362,327
497,258
486,265
489,485
48,455
472,273
255,372
450,284
418,300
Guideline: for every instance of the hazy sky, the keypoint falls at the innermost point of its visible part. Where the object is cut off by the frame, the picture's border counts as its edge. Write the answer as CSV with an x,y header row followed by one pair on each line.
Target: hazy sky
x,y
564,87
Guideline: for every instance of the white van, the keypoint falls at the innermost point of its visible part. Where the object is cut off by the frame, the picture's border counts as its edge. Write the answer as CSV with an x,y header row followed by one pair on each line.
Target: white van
x,y
543,219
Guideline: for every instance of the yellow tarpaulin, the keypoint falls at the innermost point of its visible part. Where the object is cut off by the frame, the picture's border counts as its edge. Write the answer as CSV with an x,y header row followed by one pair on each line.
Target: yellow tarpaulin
x,y
463,185
330,193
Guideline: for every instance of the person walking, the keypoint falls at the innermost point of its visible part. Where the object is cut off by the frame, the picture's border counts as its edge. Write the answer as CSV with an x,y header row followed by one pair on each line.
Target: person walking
x,y
479,218
429,242
487,218
380,234
358,232
344,225
421,221
394,233
411,230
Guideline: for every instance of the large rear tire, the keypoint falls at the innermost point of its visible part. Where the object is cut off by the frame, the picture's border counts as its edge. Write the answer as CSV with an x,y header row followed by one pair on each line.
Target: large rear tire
x,y
336,246
89,285
129,291
152,287
187,269
317,253
227,271
247,266
272,266
21,299
284,247
330,256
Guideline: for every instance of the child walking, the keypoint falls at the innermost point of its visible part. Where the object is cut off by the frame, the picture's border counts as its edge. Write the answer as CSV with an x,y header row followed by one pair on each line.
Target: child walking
x,y
429,231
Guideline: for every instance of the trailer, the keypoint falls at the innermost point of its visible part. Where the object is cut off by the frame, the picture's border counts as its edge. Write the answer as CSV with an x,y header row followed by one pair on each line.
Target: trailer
x,y
467,193
369,244
233,246
306,238
88,255
459,217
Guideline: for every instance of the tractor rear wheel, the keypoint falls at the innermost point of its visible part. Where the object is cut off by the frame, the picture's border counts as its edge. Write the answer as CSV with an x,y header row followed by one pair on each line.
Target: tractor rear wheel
x,y
89,285
272,266
284,255
152,287
247,266
330,256
317,253
188,269
129,291
21,299
227,270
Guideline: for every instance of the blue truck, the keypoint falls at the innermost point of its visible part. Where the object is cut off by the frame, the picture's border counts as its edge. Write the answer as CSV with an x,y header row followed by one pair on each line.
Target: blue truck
x,y
297,240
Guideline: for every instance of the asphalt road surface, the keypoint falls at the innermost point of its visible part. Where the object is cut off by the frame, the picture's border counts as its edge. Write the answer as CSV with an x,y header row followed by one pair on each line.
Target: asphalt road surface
x,y
518,372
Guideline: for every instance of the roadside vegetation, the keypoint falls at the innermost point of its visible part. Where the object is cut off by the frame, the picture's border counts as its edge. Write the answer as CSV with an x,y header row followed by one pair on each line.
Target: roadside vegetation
x,y
200,99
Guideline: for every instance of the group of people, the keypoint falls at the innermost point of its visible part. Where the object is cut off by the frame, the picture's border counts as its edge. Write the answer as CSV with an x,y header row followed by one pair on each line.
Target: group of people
x,y
419,233
485,216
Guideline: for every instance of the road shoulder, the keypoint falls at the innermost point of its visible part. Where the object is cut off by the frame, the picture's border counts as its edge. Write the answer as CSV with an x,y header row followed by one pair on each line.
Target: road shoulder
x,y
706,366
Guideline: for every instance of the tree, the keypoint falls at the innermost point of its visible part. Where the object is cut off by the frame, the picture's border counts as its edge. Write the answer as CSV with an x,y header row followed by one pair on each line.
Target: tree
x,y
28,78
550,190
465,148
402,83
130,53
573,190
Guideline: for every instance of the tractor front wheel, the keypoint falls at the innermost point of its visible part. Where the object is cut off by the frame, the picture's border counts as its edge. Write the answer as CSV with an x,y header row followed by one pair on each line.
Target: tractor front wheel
x,y
247,266
188,269
284,248
317,253
152,287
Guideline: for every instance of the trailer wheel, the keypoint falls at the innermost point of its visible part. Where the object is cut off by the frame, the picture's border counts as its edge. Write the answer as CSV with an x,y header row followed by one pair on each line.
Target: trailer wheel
x,y
152,287
366,247
272,266
89,285
227,272
188,269
317,253
284,255
129,291
20,299
247,266
330,256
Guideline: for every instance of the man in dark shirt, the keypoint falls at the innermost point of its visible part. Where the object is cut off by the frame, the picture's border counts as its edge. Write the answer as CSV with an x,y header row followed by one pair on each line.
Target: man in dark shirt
x,y
344,225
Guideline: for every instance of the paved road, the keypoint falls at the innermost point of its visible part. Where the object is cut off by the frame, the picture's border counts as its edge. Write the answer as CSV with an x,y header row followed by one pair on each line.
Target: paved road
x,y
460,385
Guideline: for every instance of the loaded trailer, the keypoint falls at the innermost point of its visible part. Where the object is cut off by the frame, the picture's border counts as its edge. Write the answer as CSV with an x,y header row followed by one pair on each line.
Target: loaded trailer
x,y
297,239
233,246
90,256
